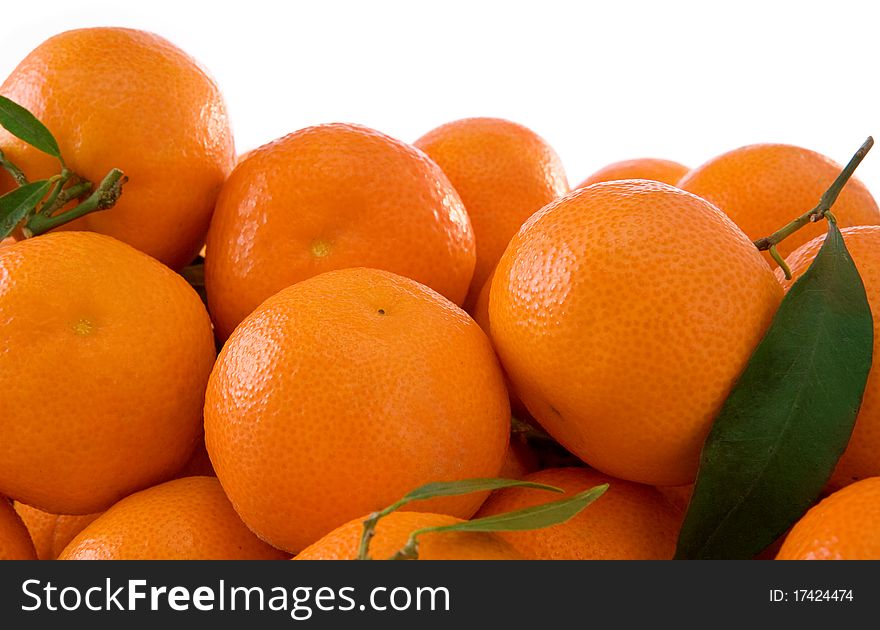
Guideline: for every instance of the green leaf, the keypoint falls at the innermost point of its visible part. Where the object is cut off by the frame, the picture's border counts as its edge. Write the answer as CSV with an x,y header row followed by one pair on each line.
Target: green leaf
x,y
466,486
789,417
25,126
16,204
534,517
441,489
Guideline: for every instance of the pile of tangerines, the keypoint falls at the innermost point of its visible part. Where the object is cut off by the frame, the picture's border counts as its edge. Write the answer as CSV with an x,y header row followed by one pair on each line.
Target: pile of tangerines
x,y
379,308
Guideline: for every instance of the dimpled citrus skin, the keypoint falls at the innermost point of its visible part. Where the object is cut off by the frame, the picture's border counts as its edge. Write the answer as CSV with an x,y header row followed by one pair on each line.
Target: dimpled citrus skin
x,y
331,197
184,519
655,169
342,393
763,187
106,355
15,542
480,313
122,98
52,532
843,526
504,173
623,313
392,533
860,459
628,522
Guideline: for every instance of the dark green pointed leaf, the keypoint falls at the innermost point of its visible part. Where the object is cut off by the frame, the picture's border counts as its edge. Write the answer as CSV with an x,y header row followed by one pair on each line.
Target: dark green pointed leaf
x,y
24,125
788,419
16,204
534,517
466,486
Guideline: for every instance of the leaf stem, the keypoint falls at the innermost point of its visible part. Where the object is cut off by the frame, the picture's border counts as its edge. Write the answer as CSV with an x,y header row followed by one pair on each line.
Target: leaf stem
x,y
48,206
410,551
370,528
104,197
775,255
13,170
818,213
76,191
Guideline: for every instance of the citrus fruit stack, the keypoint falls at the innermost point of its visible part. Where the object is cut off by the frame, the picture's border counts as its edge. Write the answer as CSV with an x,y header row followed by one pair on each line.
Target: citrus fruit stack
x,y
504,173
332,197
340,268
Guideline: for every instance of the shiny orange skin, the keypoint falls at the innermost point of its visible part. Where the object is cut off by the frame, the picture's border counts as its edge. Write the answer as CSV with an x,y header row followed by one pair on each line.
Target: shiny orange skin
x,y
629,522
392,533
342,393
843,526
763,187
15,542
480,313
122,98
623,332
119,349
860,460
184,519
504,173
331,197
52,532
655,169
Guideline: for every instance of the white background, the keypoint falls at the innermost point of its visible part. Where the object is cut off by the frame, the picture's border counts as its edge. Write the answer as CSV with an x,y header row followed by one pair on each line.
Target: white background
x,y
600,81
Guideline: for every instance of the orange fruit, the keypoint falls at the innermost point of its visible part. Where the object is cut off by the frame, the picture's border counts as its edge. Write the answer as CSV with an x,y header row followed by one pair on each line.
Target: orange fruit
x,y
332,197
184,519
763,187
598,295
15,542
678,496
392,533
860,458
342,393
655,169
116,97
480,313
843,526
52,532
504,173
199,463
519,461
123,347
629,522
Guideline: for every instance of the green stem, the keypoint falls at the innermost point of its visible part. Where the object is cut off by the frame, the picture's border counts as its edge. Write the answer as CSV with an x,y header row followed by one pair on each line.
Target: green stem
x,y
825,202
13,170
410,550
367,536
775,255
370,528
64,197
49,204
104,197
